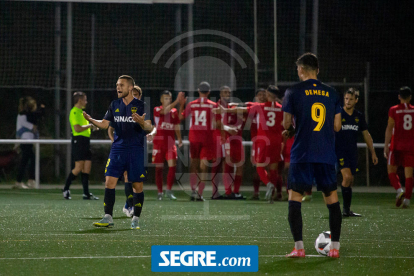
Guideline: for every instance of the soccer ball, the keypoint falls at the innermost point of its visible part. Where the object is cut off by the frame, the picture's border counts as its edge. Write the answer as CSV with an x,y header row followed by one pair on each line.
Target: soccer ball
x,y
323,243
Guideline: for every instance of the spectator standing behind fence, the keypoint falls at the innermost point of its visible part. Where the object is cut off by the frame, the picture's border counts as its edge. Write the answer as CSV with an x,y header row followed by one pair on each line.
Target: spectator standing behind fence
x,y
81,152
27,129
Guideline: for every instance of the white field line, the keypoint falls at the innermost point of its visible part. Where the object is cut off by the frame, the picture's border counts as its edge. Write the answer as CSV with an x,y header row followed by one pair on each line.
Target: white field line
x,y
149,256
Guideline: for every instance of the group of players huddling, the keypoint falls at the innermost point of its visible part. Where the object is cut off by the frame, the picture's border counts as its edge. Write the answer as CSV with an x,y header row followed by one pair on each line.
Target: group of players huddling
x,y
304,133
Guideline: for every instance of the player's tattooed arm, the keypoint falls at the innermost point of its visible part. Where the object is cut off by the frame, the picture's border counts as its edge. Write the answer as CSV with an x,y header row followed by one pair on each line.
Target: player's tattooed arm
x,y
166,110
111,133
370,144
288,125
102,124
388,134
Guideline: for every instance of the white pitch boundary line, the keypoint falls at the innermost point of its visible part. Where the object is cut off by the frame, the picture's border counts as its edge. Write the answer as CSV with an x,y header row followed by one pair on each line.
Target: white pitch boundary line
x,y
90,257
350,257
149,256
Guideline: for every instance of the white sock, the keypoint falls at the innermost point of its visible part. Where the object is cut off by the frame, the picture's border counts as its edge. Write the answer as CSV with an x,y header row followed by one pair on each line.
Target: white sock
x,y
299,245
406,202
135,218
270,183
335,245
400,190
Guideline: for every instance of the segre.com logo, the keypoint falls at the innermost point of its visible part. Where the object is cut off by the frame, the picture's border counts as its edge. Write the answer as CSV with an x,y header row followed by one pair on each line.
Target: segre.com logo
x,y
205,258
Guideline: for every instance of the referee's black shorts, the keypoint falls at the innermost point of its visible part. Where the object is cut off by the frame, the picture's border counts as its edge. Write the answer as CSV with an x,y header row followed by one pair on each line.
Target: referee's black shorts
x,y
81,148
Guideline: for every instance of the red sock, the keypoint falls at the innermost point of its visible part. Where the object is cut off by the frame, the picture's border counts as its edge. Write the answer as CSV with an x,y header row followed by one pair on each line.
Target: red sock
x,y
262,174
274,178
227,179
171,177
256,185
216,179
158,178
193,181
237,183
201,188
408,187
395,181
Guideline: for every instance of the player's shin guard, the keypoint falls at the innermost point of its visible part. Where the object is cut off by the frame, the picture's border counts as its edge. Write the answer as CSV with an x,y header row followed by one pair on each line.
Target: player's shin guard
x,y
109,201
69,180
129,194
347,197
335,220
237,183
262,174
171,177
395,181
295,220
408,187
138,202
158,178
85,183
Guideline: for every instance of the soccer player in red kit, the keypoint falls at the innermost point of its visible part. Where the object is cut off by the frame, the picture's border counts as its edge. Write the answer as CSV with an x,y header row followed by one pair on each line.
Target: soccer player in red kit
x,y
167,123
269,138
400,133
260,98
202,147
233,125
268,142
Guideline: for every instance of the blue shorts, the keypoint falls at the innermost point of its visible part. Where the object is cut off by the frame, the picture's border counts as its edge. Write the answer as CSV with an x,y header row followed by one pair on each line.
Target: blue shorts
x,y
347,161
131,161
302,176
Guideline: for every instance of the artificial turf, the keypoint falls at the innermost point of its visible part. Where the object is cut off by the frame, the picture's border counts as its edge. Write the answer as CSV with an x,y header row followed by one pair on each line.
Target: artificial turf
x,y
43,234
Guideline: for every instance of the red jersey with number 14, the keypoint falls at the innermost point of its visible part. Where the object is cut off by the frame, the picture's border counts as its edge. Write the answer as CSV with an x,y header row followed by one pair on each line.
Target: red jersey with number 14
x,y
269,117
403,132
202,119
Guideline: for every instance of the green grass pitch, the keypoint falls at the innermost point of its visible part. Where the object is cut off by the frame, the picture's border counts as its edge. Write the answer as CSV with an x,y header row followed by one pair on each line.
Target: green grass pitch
x,y
42,234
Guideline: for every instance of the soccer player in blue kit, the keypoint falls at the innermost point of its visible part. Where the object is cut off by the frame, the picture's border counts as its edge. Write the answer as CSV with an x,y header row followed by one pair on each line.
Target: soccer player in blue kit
x,y
127,151
316,110
346,140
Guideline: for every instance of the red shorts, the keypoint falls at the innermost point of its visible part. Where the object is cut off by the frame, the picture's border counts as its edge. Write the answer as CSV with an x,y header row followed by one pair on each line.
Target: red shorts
x,y
203,150
286,150
162,152
234,149
401,158
267,153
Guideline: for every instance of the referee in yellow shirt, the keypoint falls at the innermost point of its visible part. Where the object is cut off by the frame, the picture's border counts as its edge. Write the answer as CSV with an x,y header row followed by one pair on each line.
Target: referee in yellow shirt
x,y
81,152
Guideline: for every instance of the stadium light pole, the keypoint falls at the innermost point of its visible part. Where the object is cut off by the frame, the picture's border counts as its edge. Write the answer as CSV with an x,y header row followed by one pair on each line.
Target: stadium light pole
x,y
366,100
178,31
68,83
315,18
275,38
256,72
58,34
190,53
302,27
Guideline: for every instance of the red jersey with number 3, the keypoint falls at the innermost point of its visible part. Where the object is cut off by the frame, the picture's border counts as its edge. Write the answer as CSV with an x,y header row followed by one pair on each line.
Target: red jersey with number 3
x,y
403,132
269,117
202,119
165,124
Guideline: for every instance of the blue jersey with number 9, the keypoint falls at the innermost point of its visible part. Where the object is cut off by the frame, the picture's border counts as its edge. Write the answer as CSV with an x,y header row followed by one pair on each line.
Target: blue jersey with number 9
x,y
314,106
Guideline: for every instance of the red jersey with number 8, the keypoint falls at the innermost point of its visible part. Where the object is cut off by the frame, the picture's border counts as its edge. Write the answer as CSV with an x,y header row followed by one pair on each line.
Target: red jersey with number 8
x,y
403,132
202,119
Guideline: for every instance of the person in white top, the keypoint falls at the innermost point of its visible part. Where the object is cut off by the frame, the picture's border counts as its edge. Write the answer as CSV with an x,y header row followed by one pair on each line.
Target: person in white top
x,y
26,128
